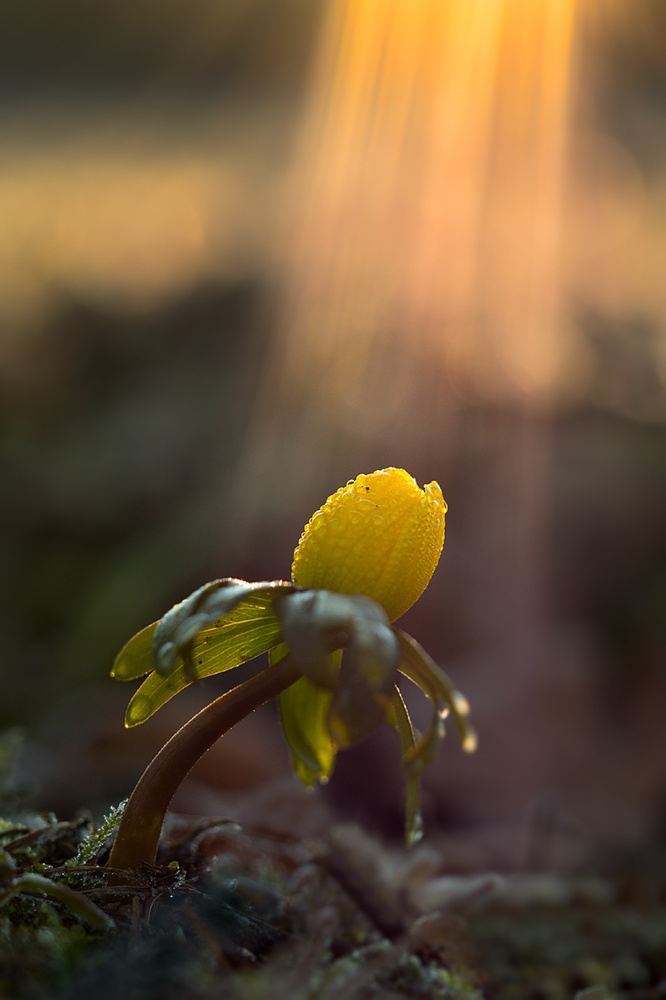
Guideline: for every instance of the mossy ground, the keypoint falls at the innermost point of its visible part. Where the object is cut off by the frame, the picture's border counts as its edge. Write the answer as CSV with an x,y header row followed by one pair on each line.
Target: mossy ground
x,y
231,912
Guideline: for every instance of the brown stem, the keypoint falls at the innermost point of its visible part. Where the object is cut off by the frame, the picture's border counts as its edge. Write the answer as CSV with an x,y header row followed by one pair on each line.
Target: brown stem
x,y
139,831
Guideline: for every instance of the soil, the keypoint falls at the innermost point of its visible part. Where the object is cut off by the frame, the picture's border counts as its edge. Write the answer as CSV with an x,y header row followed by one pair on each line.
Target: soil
x,y
250,915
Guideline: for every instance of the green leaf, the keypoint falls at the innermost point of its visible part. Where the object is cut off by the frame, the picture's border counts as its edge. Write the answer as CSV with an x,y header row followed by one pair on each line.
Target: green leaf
x,y
398,717
424,672
176,632
136,657
415,668
304,713
249,629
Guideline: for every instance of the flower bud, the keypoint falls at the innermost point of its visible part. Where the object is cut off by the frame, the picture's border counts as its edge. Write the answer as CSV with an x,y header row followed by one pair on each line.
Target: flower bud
x,y
380,535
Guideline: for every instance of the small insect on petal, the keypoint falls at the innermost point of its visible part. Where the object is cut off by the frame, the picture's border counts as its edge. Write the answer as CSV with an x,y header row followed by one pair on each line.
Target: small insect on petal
x,y
380,535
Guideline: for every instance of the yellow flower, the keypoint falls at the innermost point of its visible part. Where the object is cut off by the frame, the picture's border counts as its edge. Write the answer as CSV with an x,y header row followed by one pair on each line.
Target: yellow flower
x,y
380,535
363,559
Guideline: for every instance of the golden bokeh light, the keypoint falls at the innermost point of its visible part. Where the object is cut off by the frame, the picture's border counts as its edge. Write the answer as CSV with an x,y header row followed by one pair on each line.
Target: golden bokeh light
x,y
428,198
124,224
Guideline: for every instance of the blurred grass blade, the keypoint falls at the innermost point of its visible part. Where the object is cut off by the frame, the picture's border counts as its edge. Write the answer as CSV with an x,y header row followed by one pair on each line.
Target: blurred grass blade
x,y
76,902
304,711
250,629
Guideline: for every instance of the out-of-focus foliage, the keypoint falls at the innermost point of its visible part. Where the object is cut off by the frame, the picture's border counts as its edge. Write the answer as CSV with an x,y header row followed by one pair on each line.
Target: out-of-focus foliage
x,y
200,44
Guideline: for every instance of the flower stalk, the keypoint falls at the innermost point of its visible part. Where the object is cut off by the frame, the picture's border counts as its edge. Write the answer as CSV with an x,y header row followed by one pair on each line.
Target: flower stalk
x,y
138,835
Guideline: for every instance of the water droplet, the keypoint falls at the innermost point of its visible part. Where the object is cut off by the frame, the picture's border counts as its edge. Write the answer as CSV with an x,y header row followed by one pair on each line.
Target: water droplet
x,y
416,831
470,742
460,703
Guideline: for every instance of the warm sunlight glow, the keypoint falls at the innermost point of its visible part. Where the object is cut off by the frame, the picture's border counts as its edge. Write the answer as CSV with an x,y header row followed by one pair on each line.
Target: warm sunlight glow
x,y
428,189
127,225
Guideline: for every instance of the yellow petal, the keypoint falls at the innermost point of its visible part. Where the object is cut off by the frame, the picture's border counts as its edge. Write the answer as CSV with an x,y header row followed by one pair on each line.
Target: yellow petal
x,y
380,535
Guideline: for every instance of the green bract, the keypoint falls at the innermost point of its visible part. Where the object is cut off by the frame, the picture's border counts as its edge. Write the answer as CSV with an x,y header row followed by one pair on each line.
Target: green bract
x,y
343,646
219,626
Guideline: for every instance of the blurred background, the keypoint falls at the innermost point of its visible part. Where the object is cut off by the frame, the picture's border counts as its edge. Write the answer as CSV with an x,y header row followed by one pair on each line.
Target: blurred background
x,y
249,250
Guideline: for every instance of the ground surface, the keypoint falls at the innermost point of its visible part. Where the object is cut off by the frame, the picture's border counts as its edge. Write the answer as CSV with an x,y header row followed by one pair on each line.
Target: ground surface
x,y
337,917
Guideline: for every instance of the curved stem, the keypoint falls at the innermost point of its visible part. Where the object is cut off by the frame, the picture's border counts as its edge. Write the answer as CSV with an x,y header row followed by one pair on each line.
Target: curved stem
x,y
139,830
